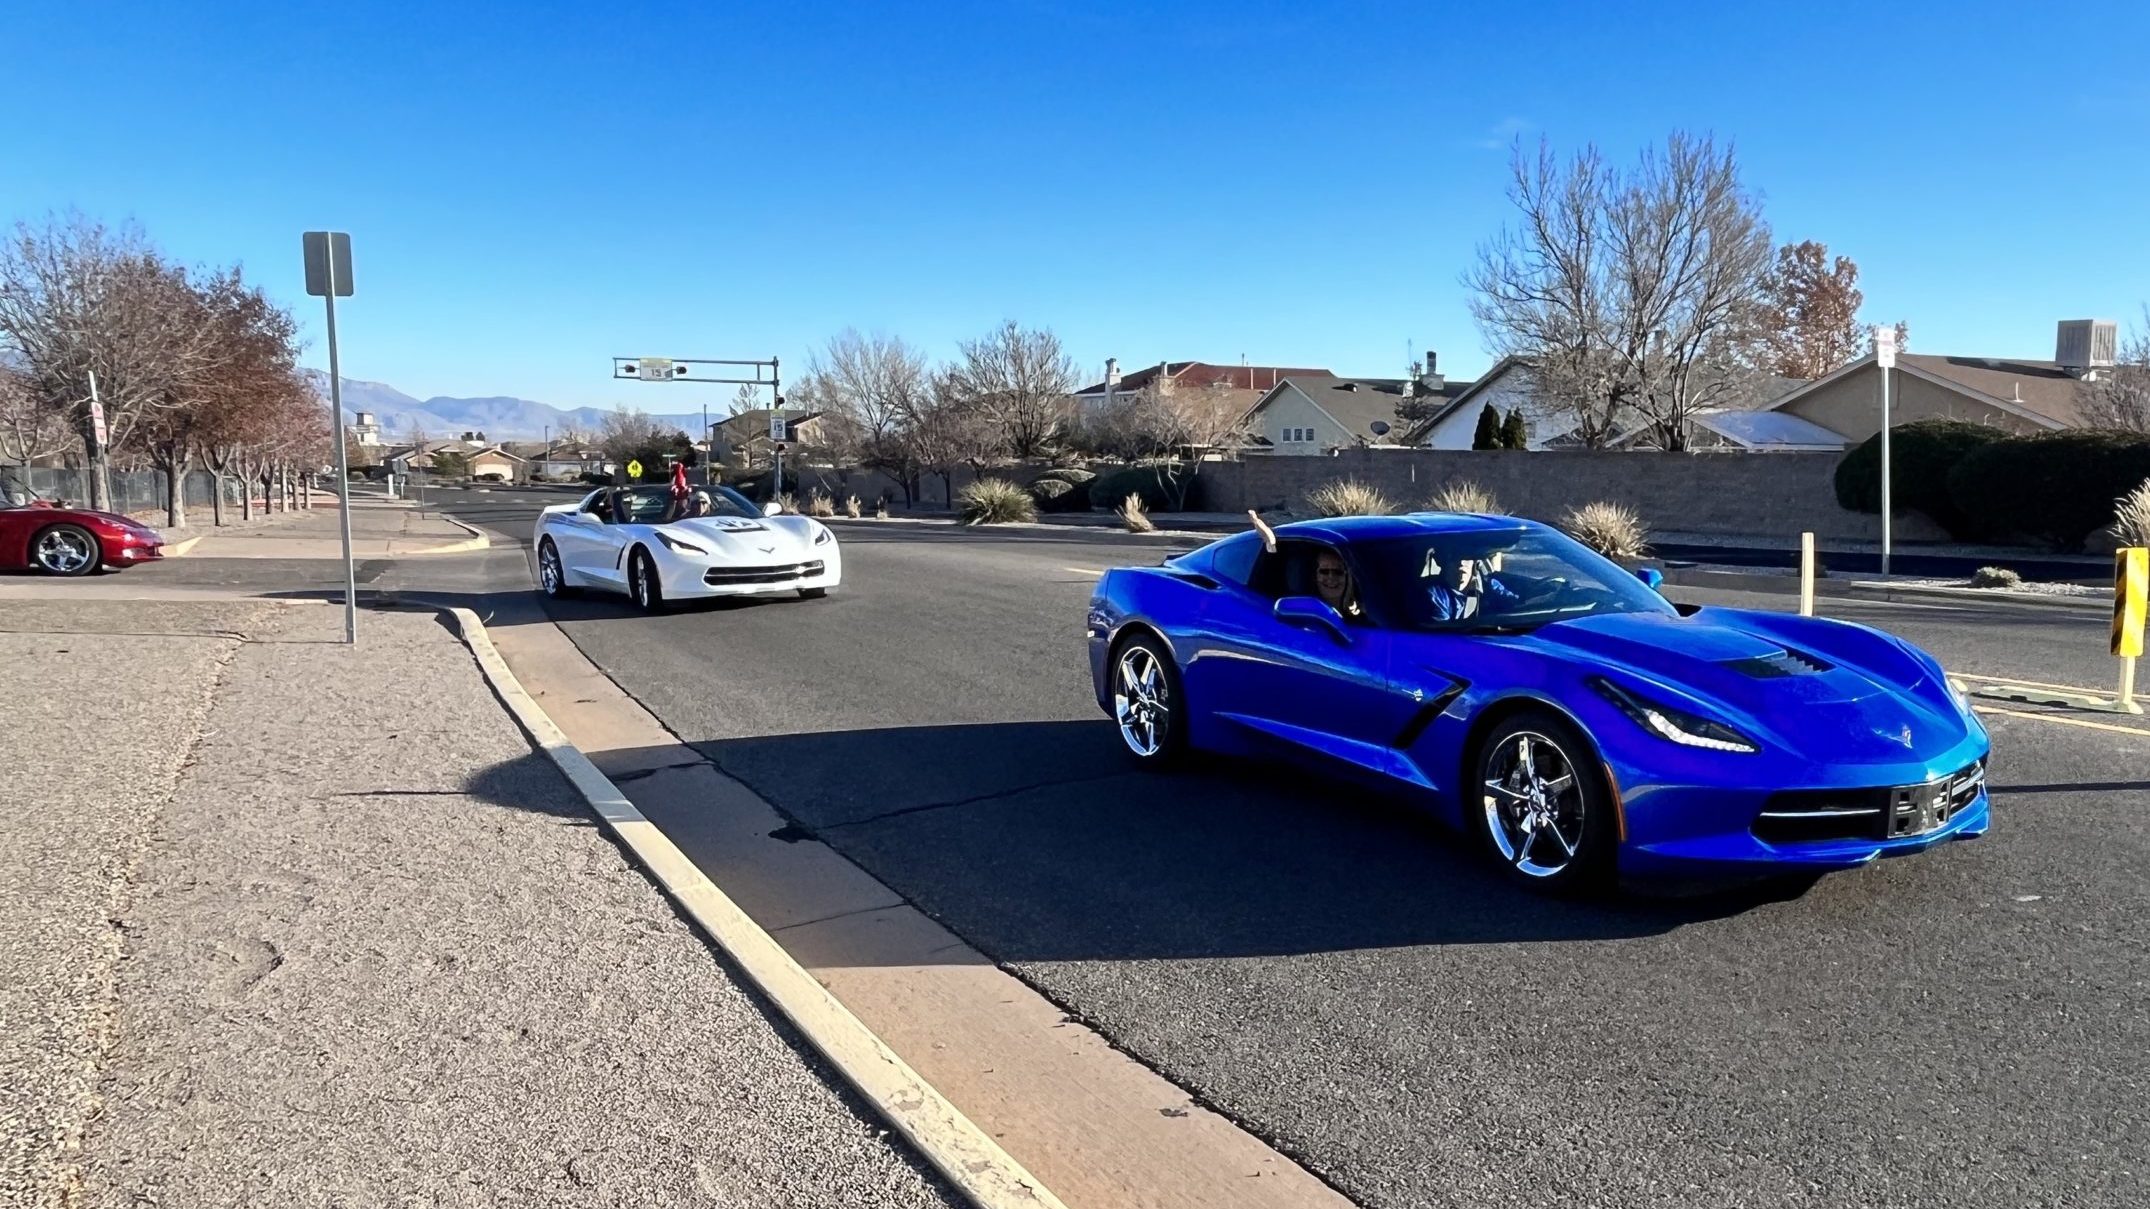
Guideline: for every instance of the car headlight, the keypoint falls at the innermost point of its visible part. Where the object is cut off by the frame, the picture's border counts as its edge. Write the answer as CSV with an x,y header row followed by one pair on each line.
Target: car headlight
x,y
684,547
1679,726
822,536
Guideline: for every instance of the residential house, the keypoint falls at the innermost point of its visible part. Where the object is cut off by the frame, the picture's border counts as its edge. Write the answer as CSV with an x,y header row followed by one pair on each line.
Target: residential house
x,y
1248,382
495,464
1507,387
2019,396
743,439
403,459
1313,414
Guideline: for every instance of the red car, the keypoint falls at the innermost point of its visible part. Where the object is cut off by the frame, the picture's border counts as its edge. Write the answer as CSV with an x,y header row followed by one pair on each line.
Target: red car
x,y
36,535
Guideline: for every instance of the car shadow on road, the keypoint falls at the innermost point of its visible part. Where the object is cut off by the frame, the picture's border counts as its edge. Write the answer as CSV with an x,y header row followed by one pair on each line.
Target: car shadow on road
x,y
1036,841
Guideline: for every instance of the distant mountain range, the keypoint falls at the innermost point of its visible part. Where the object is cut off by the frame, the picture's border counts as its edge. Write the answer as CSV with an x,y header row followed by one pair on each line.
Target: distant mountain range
x,y
499,417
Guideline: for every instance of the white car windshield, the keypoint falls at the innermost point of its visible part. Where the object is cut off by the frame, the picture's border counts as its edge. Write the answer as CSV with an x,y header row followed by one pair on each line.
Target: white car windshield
x,y
655,506
1499,580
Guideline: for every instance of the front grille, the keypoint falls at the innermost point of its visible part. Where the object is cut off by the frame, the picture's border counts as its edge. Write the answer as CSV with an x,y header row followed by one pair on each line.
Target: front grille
x,y
1806,816
729,576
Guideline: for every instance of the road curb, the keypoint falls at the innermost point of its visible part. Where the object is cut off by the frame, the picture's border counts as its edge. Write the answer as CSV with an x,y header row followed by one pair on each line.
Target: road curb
x,y
1983,596
476,541
962,1153
1736,581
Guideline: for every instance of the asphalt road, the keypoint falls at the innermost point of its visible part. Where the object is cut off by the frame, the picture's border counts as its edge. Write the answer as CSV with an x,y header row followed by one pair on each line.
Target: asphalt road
x,y
1965,1028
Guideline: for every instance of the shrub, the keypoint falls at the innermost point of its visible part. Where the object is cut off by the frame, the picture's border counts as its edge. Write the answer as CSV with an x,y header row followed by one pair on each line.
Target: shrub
x,y
1922,453
2057,487
596,478
1613,530
788,504
880,509
1462,495
851,506
1134,516
995,502
2131,517
1053,495
1163,486
1347,497
819,504
1995,577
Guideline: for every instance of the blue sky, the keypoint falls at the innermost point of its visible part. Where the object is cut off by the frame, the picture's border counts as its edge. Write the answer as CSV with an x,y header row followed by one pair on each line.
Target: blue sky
x,y
534,188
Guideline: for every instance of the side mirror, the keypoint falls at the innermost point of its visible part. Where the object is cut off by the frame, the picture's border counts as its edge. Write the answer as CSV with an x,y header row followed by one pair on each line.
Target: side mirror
x,y
1311,612
772,508
1653,578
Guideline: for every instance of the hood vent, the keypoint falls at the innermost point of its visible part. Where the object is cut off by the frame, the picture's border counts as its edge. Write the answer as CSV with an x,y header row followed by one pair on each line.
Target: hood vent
x,y
1783,663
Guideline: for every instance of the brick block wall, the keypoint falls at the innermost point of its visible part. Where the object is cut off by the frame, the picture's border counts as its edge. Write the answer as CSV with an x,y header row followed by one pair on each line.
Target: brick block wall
x,y
1778,494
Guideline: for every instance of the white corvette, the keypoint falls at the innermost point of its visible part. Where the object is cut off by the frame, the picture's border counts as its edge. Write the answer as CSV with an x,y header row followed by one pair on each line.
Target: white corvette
x,y
627,539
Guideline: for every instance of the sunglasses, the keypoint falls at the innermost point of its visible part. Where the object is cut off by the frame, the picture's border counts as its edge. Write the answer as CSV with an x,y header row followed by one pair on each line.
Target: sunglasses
x,y
1330,572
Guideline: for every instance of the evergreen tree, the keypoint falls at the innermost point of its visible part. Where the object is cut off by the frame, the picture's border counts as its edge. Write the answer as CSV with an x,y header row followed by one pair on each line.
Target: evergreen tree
x,y
1514,435
1488,435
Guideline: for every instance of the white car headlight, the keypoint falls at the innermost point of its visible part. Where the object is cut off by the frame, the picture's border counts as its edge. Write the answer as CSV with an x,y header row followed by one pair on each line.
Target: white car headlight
x,y
684,547
822,536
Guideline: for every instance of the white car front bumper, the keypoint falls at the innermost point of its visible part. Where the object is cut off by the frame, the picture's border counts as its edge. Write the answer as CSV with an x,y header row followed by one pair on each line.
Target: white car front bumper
x,y
689,578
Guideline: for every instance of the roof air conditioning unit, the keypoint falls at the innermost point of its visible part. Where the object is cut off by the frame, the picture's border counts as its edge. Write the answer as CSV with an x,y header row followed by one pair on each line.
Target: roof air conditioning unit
x,y
2086,344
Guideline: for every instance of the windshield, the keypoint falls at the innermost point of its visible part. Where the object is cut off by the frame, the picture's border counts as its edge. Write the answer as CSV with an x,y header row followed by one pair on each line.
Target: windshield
x,y
1499,580
653,505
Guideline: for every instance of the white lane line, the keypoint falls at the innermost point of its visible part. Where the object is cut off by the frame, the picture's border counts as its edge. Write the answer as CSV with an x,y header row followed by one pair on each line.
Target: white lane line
x,y
1084,570
2083,722
2063,688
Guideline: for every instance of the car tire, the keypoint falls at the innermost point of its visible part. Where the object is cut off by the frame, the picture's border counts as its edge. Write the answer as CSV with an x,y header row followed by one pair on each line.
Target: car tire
x,y
66,551
1540,805
552,573
813,593
643,585
1149,709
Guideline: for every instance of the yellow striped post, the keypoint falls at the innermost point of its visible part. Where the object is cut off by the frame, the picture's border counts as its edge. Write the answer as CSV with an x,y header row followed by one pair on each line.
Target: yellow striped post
x,y
2131,605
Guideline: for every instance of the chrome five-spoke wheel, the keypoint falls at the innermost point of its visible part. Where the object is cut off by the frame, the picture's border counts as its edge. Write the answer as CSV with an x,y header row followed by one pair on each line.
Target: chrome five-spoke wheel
x,y
1145,700
65,550
1543,811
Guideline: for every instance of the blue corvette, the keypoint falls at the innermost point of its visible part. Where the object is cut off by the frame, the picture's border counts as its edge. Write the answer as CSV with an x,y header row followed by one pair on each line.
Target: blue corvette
x,y
1543,699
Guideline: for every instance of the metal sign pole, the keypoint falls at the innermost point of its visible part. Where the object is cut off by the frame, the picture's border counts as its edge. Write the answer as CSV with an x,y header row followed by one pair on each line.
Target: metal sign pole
x,y
343,478
1885,357
328,273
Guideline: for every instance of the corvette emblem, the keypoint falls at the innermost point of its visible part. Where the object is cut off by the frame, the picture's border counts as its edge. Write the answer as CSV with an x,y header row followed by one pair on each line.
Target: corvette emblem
x,y
1903,736
772,550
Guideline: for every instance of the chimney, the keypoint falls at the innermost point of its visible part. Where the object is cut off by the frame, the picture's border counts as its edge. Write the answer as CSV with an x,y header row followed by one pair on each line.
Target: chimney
x,y
2083,345
1112,379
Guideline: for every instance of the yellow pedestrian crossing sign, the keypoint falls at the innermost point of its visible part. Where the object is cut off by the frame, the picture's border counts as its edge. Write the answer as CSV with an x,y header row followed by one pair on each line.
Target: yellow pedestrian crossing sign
x,y
634,468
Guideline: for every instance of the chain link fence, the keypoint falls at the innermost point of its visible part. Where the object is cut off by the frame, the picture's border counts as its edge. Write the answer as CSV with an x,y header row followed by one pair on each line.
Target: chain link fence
x,y
132,490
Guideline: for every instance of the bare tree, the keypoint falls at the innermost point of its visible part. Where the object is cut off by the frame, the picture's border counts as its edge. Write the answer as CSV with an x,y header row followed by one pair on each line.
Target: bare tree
x,y
1171,420
1630,292
624,432
77,300
27,429
2119,397
746,399
1022,382
943,428
872,389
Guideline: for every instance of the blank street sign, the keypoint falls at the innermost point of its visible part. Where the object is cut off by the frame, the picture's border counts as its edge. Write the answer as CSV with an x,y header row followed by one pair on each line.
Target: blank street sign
x,y
328,264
